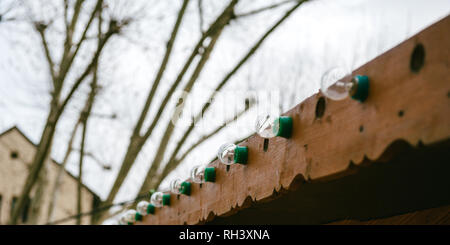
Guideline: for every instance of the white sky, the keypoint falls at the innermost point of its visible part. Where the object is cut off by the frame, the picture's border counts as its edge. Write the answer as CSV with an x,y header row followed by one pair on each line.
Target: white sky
x,y
319,35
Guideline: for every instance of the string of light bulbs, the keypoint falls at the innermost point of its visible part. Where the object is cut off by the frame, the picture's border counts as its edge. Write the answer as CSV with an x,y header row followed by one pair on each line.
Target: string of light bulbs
x,y
97,210
336,84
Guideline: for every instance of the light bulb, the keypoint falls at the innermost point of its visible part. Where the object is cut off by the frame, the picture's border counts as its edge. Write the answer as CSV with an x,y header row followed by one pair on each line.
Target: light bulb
x,y
198,174
269,126
266,127
131,216
159,199
145,207
338,83
112,222
122,220
180,187
231,153
175,186
156,199
201,174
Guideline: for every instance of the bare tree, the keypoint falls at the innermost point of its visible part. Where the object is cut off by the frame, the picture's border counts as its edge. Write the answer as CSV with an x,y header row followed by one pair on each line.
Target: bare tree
x,y
58,179
151,181
174,161
58,73
138,140
84,121
202,50
38,197
77,33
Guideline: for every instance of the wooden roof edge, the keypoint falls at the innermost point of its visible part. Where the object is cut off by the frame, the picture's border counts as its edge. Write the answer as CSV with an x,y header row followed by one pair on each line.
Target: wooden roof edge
x,y
404,104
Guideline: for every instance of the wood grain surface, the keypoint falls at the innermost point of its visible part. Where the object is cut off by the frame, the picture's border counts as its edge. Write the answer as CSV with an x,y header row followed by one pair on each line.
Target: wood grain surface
x,y
413,106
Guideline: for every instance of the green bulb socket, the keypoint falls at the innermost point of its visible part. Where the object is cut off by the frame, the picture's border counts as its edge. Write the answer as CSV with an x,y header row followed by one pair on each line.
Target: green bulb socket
x,y
362,88
166,200
210,174
284,126
185,188
130,223
241,154
150,209
138,216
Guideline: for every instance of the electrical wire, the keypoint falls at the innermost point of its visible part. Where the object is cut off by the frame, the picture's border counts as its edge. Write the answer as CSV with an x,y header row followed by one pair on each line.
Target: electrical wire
x,y
97,210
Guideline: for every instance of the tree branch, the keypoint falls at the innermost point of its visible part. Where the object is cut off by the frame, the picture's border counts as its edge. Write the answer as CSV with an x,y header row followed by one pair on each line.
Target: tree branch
x,y
232,72
66,63
200,14
174,162
137,143
56,110
161,70
40,28
66,15
85,116
170,126
62,167
88,69
257,11
70,29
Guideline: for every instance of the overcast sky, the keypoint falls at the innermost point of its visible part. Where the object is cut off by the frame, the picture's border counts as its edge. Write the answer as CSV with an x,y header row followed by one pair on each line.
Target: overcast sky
x,y
319,35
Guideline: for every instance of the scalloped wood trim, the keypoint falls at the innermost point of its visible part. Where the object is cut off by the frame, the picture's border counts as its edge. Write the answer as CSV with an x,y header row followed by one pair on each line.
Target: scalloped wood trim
x,y
413,106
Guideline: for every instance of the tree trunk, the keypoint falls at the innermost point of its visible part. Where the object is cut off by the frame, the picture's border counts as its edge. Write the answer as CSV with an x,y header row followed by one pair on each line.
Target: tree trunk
x,y
38,197
57,183
150,178
43,151
80,173
136,141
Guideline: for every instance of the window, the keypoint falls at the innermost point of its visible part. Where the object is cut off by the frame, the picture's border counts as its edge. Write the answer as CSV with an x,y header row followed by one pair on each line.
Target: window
x,y
13,203
95,204
14,155
24,214
26,210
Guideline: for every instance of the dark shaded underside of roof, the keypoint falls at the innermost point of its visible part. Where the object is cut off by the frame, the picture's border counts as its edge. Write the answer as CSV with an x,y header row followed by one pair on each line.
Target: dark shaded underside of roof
x,y
404,179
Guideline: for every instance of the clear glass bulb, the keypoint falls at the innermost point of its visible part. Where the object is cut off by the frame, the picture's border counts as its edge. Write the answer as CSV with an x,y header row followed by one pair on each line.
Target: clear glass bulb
x,y
157,199
266,126
112,222
226,153
337,83
130,216
175,186
198,174
122,219
142,207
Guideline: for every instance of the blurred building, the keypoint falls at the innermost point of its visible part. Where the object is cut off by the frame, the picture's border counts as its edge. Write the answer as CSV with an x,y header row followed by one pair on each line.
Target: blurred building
x,y
16,155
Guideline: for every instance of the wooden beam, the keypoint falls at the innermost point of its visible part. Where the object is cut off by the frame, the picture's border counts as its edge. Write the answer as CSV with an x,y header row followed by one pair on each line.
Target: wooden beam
x,y
404,103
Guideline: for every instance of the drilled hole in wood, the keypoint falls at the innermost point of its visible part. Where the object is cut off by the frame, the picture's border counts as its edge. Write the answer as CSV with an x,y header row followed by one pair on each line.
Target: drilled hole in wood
x,y
448,94
420,144
14,155
178,197
306,147
417,58
228,168
320,107
200,185
266,145
361,128
401,113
